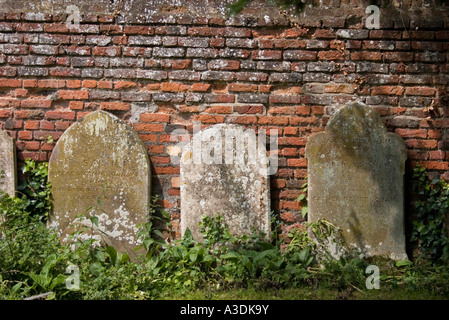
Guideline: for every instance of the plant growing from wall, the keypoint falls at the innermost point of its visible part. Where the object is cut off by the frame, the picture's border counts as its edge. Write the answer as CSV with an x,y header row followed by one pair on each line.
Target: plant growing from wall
x,y
432,205
35,188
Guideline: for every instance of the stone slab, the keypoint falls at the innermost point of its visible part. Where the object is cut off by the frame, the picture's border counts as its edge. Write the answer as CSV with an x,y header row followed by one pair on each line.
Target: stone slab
x,y
355,180
225,170
100,167
8,174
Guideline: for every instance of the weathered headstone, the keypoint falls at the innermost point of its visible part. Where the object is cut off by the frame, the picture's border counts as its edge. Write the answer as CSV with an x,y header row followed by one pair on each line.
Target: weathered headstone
x,y
355,180
100,167
8,175
224,170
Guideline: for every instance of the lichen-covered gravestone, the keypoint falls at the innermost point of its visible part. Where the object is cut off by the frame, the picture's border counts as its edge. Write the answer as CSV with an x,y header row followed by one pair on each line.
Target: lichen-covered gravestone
x,y
355,180
224,170
100,167
8,176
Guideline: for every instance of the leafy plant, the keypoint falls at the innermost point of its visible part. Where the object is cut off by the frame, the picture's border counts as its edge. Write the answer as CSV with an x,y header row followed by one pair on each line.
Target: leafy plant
x,y
432,204
36,188
303,200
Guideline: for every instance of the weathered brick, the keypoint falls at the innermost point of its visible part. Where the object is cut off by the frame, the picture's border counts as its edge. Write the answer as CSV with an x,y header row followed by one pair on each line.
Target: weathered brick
x,y
10,83
279,66
35,103
174,87
387,90
106,51
420,91
224,65
267,54
352,34
240,87
202,53
156,75
145,40
299,55
115,106
187,75
73,94
218,75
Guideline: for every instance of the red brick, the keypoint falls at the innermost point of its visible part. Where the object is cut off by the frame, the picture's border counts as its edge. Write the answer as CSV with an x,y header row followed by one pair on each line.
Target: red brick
x,y
89,84
106,51
63,115
273,120
51,84
330,55
218,109
25,135
5,113
103,84
366,55
385,34
115,106
434,134
30,83
181,64
294,141
240,87
398,56
31,125
159,159
142,30
149,127
166,170
290,152
32,145
295,32
282,110
47,125
200,87
291,131
412,133
154,117
10,83
420,91
387,90
267,55
437,155
421,144
206,118
62,125
244,120
76,105
35,103
156,148
434,165
248,109
73,94
174,87
148,137
289,205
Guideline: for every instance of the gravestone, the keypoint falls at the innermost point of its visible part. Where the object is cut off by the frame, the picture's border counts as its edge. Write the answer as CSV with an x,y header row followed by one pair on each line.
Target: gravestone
x,y
8,175
224,170
355,180
100,167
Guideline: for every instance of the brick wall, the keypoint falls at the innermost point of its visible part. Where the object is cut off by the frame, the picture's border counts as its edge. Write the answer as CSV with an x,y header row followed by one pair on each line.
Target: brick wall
x,y
168,71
